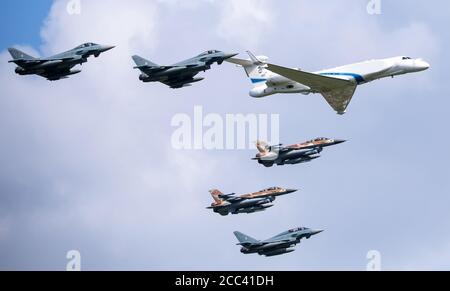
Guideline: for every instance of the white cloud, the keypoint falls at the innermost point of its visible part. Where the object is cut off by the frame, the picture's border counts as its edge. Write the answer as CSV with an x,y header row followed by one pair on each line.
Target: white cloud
x,y
245,22
105,22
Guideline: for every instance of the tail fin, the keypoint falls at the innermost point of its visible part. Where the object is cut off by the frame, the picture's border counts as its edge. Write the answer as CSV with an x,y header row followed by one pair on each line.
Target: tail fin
x,y
244,239
255,67
19,55
261,146
141,62
215,195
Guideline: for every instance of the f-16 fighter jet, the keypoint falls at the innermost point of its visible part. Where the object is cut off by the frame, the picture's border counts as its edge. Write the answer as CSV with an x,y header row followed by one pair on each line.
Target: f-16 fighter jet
x,y
225,204
282,243
293,154
58,66
181,74
336,85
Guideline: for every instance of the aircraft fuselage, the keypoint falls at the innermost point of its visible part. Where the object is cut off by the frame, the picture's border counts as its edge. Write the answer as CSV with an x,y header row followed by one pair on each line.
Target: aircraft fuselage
x,y
360,73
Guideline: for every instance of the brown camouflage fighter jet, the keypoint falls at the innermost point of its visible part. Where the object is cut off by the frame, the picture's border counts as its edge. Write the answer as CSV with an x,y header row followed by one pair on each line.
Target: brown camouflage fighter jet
x,y
225,204
293,154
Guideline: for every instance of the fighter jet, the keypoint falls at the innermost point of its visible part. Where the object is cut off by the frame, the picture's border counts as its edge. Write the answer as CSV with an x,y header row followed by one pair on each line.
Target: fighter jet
x,y
282,243
181,74
225,204
58,66
336,85
293,154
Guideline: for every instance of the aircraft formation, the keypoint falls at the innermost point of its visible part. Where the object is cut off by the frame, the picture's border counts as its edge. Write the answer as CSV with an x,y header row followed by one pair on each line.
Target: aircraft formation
x,y
336,85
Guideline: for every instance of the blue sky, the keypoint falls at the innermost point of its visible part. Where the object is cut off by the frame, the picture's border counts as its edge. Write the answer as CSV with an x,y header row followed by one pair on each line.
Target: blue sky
x,y
86,163
21,21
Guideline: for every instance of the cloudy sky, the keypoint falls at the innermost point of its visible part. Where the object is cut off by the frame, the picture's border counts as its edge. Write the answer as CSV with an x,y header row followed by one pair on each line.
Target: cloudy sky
x,y
86,163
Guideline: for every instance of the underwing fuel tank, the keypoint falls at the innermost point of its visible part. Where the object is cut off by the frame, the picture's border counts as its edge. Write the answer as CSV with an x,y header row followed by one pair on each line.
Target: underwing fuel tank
x,y
194,80
278,252
73,72
254,209
184,83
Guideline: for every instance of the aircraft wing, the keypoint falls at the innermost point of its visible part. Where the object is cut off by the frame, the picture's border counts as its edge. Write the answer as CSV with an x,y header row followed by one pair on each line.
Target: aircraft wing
x,y
152,69
230,198
49,62
286,149
276,241
56,73
251,244
60,59
337,92
32,62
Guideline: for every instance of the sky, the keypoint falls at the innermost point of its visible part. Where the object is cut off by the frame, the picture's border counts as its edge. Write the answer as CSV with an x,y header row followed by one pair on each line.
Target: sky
x,y
87,164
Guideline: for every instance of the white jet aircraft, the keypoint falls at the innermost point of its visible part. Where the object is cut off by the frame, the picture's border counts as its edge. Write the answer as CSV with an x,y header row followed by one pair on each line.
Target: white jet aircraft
x,y
337,85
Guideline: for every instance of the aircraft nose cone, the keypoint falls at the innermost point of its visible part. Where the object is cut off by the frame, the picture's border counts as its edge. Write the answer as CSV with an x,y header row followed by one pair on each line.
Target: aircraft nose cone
x,y
317,231
288,191
227,56
338,141
422,65
425,65
107,48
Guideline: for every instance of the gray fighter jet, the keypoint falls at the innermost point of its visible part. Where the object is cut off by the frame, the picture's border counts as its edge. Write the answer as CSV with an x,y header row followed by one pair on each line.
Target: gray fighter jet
x,y
282,243
181,74
225,204
292,154
58,66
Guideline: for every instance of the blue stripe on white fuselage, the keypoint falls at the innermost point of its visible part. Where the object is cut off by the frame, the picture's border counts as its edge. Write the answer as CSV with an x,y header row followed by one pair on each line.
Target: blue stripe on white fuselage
x,y
358,78
254,81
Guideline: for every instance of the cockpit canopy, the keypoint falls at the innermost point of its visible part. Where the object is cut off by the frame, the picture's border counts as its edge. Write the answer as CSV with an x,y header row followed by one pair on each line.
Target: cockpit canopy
x,y
292,231
406,58
318,139
273,189
85,45
321,139
297,229
209,52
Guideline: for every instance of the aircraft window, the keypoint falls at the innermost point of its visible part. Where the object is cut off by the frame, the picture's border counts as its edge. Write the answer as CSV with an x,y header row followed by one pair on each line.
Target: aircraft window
x,y
406,58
